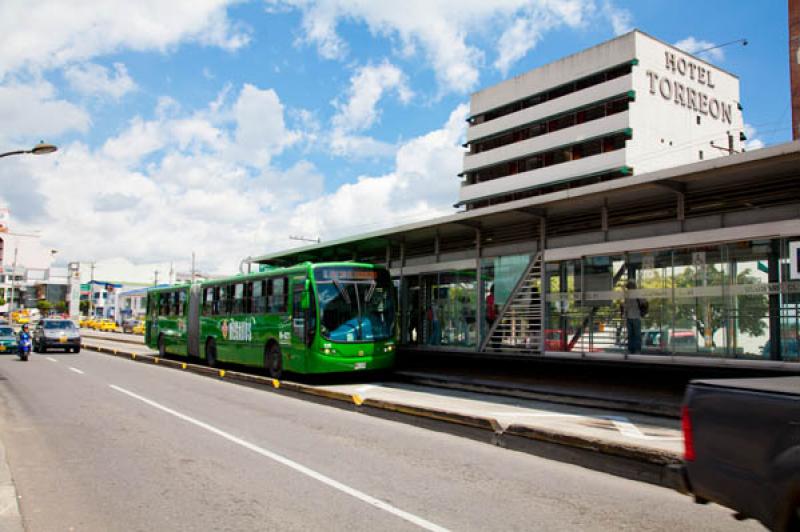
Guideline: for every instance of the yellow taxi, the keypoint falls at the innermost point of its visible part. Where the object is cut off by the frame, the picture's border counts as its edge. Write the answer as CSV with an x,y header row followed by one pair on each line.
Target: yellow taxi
x,y
139,328
83,321
107,325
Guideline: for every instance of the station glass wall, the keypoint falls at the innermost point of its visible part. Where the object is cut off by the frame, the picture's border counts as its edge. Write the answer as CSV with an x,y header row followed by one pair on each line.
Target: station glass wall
x,y
728,300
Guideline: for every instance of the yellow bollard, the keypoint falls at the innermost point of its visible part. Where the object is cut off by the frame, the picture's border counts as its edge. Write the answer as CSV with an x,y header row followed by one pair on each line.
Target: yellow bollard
x,y
222,373
133,356
276,383
183,366
357,399
155,360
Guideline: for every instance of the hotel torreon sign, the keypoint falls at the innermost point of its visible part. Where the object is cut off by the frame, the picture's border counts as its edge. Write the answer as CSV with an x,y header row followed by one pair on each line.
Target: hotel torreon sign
x,y
671,87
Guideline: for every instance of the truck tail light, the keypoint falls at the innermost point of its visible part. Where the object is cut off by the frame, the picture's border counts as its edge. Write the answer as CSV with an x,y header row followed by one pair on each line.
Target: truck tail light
x,y
688,438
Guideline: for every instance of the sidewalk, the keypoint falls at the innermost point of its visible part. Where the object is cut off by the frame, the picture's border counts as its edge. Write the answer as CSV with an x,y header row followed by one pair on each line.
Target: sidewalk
x,y
10,518
637,446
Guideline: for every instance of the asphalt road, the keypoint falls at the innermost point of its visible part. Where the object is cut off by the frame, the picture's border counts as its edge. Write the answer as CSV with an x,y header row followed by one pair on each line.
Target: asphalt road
x,y
101,443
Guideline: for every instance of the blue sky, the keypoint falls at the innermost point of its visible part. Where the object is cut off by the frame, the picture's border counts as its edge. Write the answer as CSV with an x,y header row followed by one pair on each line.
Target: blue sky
x,y
225,127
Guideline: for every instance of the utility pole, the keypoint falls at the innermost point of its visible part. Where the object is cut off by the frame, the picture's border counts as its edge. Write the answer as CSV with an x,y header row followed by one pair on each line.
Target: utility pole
x,y
91,289
155,280
193,267
13,285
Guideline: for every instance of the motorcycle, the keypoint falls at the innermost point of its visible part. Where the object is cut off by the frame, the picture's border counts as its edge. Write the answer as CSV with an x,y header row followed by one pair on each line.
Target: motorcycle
x,y
24,347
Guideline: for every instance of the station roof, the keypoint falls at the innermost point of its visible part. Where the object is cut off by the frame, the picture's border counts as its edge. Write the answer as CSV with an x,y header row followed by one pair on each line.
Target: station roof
x,y
754,179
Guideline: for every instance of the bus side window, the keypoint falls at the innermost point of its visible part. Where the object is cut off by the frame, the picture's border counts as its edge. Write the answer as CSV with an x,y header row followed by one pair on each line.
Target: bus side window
x,y
248,298
208,302
174,306
224,299
181,302
258,297
280,295
215,305
237,304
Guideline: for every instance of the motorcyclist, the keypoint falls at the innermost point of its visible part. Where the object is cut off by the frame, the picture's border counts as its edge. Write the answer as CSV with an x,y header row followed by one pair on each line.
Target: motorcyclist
x,y
25,342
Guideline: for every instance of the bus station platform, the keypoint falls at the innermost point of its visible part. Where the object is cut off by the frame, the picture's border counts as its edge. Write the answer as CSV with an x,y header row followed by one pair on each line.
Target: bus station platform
x,y
620,441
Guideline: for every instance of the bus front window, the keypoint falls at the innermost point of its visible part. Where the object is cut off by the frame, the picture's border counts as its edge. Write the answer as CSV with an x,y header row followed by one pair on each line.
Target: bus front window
x,y
356,304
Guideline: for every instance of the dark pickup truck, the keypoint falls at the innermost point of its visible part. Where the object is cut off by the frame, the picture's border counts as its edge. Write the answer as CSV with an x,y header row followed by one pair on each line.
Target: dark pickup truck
x,y
742,445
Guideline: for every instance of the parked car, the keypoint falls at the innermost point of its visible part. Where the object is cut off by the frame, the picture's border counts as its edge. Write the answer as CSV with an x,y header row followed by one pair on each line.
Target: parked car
x,y
8,340
139,328
107,325
56,334
742,448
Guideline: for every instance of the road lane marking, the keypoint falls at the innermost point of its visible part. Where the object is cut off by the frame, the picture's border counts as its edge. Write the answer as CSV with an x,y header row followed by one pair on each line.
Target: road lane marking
x,y
51,359
372,501
76,370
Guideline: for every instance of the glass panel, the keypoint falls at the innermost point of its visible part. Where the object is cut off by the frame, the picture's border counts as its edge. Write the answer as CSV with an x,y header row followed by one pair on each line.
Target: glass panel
x,y
500,276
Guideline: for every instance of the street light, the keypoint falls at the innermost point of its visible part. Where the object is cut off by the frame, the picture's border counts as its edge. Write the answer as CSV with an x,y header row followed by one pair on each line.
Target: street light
x,y
39,149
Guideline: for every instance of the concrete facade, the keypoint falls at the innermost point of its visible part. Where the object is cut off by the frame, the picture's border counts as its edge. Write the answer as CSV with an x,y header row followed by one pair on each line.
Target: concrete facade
x,y
554,122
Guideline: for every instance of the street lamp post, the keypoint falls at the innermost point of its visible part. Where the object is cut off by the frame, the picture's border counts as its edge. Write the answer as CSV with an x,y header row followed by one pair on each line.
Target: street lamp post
x,y
39,149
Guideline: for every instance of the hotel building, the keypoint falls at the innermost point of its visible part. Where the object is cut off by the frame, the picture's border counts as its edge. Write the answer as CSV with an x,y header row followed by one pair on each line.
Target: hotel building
x,y
628,106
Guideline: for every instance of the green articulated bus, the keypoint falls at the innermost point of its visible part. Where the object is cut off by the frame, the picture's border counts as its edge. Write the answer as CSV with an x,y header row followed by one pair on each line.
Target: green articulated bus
x,y
308,318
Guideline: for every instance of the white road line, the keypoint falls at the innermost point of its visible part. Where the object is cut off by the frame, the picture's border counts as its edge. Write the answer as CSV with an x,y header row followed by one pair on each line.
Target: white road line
x,y
51,359
76,370
377,503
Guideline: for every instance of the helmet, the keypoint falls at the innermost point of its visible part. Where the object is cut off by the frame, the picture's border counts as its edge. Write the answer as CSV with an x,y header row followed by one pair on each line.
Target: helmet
x,y
24,326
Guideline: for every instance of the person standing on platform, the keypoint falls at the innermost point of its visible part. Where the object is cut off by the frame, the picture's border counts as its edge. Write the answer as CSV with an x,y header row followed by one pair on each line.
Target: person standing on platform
x,y
633,310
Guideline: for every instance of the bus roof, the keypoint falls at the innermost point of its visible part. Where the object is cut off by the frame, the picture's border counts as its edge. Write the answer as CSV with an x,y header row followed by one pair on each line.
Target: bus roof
x,y
274,272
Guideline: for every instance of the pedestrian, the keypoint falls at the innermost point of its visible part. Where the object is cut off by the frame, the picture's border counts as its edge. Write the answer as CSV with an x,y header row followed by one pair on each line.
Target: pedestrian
x,y
491,307
633,310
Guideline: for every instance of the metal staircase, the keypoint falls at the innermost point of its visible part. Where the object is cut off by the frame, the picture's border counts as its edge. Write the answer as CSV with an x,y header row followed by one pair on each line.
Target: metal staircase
x,y
518,327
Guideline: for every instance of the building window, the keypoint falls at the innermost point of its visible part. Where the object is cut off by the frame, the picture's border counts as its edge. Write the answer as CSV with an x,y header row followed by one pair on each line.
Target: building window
x,y
555,92
700,154
549,158
552,124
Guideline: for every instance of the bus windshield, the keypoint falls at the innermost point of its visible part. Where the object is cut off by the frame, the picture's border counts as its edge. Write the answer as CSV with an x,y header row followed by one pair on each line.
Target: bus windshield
x,y
355,304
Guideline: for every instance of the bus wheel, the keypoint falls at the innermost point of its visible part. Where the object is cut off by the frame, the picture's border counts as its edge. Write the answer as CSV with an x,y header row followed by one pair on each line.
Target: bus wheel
x,y
274,362
162,348
211,353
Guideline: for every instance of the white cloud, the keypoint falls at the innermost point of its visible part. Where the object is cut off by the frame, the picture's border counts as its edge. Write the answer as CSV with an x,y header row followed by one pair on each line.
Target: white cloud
x,y
260,128
368,85
190,195
57,33
621,19
93,79
693,46
753,142
423,184
439,29
527,29
32,112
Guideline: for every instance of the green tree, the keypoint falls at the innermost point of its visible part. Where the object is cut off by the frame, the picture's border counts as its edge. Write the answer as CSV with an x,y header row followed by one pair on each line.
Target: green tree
x,y
84,306
61,306
44,306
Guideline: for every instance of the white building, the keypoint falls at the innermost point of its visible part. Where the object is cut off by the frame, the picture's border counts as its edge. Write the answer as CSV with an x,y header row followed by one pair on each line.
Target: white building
x,y
631,105
24,265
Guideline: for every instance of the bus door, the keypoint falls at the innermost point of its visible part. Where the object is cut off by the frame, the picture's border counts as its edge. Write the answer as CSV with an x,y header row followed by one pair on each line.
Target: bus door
x,y
303,321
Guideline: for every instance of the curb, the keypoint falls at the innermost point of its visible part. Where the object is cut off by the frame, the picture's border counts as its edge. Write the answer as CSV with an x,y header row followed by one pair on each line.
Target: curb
x,y
620,459
10,517
541,394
